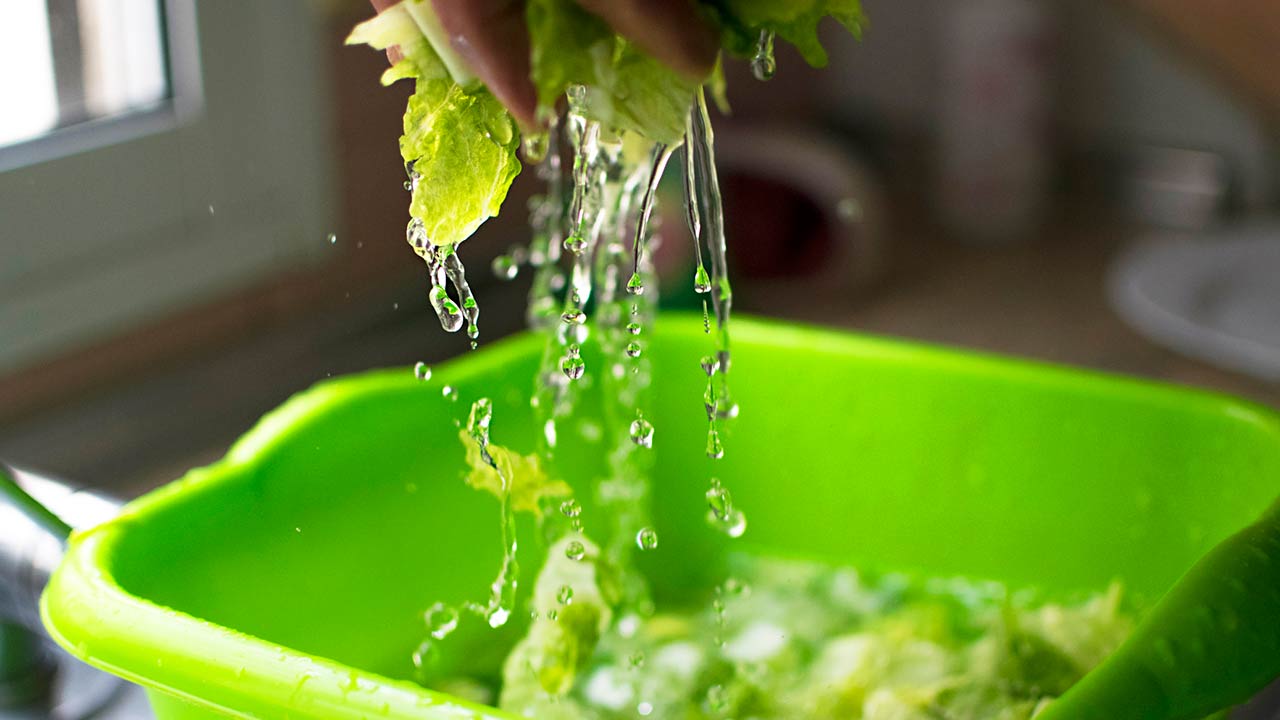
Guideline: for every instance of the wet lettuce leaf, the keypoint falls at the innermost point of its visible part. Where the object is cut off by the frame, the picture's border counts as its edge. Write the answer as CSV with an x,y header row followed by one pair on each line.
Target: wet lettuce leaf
x,y
795,21
462,142
461,145
567,45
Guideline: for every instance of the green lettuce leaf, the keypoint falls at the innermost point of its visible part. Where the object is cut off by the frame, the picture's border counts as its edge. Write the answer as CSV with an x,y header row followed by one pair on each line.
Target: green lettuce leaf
x,y
462,145
795,21
567,44
462,142
635,93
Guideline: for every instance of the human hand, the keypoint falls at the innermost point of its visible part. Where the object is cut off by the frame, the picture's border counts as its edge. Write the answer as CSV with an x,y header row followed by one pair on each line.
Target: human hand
x,y
490,35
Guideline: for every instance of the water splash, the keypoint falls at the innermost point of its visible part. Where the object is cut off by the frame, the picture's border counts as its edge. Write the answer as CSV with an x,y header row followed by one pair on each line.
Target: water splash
x,y
502,592
661,155
593,278
700,144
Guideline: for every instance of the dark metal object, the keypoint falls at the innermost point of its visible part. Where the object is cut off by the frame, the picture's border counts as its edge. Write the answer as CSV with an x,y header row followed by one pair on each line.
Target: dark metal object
x,y
37,680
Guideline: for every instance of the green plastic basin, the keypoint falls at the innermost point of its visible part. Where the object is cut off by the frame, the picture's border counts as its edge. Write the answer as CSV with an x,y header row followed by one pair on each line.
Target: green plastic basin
x,y
288,580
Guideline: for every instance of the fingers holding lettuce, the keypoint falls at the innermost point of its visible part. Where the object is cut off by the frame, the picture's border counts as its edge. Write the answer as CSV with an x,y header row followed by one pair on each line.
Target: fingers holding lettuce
x,y
492,39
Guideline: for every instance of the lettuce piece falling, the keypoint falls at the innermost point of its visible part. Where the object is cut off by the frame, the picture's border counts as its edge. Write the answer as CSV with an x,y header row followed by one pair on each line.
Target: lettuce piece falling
x,y
542,668
529,483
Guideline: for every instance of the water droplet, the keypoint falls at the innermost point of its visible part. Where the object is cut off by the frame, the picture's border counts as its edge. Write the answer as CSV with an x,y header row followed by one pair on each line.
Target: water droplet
x,y
642,432
764,68
552,614
573,366
333,239
565,595
534,147
644,709
570,508
422,371
701,281
473,332
763,64
735,525
719,500
574,317
450,316
408,186
575,550
449,393
636,659
575,244
633,328
647,539
479,421
497,617
441,620
715,449
424,654
505,267
633,349
710,365
635,285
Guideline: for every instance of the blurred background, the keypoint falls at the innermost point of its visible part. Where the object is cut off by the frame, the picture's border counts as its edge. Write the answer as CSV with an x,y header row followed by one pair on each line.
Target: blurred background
x,y
202,212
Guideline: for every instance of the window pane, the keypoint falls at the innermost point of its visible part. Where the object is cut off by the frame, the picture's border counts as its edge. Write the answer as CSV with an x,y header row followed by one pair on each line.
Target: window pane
x,y
64,62
123,55
27,90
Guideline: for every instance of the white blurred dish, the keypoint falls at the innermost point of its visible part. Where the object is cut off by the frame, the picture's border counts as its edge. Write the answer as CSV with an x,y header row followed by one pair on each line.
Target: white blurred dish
x,y
1215,298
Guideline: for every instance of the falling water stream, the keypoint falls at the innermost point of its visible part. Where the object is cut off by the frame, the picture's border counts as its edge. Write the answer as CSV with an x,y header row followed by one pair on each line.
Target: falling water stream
x,y
591,251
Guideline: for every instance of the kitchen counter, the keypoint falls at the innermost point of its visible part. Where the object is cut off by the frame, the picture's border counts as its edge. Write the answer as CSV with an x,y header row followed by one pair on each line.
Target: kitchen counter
x,y
1043,299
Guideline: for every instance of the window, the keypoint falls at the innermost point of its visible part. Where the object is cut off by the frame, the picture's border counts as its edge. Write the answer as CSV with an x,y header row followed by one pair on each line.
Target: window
x,y
154,154
70,62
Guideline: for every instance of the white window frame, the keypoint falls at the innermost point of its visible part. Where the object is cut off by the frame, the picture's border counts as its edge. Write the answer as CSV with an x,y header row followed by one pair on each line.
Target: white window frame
x,y
115,222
